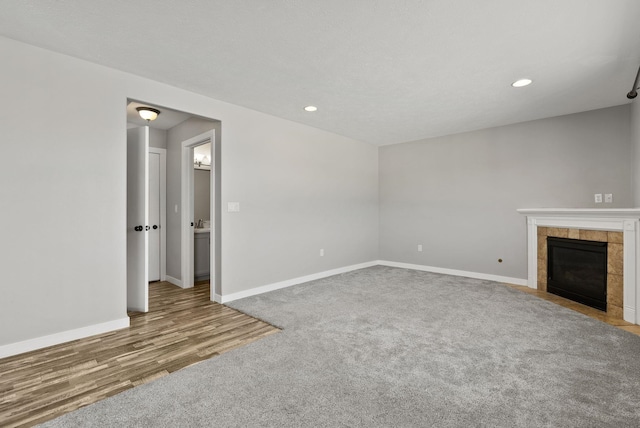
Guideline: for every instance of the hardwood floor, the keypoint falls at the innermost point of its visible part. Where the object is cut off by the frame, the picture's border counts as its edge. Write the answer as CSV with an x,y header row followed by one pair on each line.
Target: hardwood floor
x,y
182,327
583,309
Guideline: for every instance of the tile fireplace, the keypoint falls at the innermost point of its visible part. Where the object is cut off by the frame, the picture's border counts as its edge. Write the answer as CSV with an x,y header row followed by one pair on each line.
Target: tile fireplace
x,y
618,228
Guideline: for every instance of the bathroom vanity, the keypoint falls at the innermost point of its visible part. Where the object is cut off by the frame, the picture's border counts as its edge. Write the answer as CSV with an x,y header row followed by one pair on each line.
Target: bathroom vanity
x,y
201,255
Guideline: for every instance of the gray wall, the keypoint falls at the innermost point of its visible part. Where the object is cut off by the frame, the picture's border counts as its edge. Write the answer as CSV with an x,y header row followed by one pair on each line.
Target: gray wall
x,y
158,138
300,189
457,195
63,232
635,139
202,194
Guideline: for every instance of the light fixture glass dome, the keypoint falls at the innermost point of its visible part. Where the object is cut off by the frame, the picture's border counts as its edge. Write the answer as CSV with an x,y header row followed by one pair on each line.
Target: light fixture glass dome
x,y
148,113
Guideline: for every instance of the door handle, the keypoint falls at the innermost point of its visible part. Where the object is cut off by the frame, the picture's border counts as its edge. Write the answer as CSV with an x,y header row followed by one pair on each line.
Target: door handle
x,y
138,228
155,226
191,224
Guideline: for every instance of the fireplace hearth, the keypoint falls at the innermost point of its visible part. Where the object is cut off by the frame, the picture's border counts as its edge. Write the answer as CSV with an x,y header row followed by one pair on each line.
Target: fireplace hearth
x,y
577,270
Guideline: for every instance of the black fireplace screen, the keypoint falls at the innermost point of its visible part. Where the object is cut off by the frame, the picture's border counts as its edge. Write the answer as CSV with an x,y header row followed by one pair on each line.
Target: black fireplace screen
x,y
577,270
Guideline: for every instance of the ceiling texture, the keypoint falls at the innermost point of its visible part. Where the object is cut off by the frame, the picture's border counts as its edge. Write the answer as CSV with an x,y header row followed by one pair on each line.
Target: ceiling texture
x,y
383,72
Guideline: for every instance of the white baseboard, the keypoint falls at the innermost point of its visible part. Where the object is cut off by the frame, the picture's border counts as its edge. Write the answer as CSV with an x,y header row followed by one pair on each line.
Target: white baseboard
x,y
300,280
455,272
290,282
173,280
62,337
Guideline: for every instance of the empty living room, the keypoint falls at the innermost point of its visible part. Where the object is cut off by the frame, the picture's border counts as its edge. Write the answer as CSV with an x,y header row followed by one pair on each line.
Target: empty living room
x,y
320,214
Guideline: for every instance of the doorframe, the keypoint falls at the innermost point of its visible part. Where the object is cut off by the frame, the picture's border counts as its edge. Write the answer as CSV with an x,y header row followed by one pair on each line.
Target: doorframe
x,y
163,210
187,217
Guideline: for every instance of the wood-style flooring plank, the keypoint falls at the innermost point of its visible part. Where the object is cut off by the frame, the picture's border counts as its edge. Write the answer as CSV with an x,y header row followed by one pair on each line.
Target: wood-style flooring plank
x,y
182,328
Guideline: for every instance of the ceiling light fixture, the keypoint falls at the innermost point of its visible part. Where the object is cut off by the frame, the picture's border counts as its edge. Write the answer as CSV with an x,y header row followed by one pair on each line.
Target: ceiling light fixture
x,y
522,82
148,113
310,108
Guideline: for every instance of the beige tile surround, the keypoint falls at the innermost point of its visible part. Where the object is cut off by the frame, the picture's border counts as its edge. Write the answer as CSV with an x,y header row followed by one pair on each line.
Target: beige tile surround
x,y
614,261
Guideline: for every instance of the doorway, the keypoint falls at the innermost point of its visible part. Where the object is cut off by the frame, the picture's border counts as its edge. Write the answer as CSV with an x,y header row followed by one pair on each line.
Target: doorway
x,y
189,222
166,136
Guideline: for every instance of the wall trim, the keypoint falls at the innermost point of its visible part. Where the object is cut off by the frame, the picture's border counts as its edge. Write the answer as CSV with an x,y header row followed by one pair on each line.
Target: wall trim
x,y
455,272
173,280
62,337
300,280
290,282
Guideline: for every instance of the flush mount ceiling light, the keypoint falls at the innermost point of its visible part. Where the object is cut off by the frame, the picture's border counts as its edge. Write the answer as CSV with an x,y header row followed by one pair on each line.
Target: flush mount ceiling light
x,y
522,82
310,108
148,113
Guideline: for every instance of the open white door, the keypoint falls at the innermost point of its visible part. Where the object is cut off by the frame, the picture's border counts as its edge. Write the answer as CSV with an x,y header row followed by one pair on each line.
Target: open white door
x,y
137,219
157,209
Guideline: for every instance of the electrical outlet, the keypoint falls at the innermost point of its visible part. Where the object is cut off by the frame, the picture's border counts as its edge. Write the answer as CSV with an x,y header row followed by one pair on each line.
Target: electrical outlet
x,y
598,198
608,198
419,247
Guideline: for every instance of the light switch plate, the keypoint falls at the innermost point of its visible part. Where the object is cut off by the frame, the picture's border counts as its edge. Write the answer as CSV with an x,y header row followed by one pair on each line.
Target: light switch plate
x,y
233,207
608,198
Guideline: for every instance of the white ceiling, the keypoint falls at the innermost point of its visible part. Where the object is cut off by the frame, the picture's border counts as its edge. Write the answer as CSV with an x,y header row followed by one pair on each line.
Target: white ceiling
x,y
381,71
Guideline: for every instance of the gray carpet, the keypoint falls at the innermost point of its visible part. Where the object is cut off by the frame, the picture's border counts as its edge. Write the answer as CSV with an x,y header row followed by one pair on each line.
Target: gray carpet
x,y
388,347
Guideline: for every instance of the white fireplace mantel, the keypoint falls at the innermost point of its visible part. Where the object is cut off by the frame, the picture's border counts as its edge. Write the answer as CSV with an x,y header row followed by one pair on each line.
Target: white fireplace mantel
x,y
626,220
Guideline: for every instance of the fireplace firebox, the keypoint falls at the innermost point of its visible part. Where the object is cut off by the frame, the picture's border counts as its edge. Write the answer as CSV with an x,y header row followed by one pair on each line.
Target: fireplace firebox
x,y
577,270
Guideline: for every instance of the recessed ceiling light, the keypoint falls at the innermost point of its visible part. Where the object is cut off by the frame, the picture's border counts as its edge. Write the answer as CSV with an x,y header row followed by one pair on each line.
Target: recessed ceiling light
x,y
522,82
310,108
